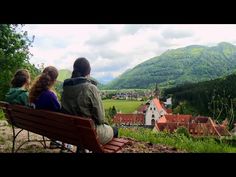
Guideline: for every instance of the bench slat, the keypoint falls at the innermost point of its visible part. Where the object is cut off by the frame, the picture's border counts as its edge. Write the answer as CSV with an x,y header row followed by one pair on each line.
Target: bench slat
x,y
115,143
120,140
109,151
111,147
54,116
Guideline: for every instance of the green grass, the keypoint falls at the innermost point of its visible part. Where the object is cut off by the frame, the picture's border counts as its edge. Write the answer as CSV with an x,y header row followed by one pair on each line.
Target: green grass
x,y
1,115
195,145
125,106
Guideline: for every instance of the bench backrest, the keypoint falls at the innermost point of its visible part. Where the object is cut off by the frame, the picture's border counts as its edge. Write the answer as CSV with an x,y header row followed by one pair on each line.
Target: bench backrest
x,y
66,128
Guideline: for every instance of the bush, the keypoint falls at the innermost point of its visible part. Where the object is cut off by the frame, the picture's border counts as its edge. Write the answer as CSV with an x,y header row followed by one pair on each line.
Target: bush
x,y
1,115
183,131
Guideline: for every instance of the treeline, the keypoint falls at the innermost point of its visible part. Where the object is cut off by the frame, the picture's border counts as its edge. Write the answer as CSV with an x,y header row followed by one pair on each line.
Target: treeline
x,y
215,98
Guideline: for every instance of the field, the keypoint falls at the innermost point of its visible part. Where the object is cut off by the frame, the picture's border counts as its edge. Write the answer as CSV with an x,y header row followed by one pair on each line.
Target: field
x,y
125,106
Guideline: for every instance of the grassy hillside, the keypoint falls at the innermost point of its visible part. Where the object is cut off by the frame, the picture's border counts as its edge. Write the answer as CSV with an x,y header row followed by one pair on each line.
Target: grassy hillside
x,y
184,65
64,74
180,141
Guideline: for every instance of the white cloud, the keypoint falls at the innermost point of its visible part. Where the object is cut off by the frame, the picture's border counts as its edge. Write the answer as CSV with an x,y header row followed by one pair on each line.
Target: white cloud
x,y
112,49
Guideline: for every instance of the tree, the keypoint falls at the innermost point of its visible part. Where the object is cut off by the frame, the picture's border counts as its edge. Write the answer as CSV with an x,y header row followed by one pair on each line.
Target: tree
x,y
14,54
113,111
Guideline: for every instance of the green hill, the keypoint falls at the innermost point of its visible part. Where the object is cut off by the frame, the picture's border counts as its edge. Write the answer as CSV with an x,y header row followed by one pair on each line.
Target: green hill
x,y
64,74
183,65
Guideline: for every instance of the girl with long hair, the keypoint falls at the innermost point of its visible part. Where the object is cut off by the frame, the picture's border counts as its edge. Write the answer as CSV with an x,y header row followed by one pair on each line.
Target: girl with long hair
x,y
41,94
18,93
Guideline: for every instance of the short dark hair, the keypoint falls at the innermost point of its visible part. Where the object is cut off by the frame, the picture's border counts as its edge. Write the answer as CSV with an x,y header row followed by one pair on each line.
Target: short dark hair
x,y
81,67
20,78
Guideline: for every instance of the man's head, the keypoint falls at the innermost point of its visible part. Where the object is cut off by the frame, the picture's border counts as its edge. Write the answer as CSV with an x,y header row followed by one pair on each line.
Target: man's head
x,y
81,68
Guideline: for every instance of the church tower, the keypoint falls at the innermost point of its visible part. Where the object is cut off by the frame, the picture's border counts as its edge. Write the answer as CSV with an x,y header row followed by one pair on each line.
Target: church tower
x,y
156,92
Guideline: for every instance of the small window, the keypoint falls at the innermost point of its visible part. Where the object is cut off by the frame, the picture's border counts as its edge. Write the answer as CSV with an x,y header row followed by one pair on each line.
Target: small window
x,y
154,109
153,116
150,108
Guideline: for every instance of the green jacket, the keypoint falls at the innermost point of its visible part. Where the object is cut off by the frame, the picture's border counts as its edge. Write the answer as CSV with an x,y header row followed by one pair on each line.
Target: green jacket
x,y
81,97
17,96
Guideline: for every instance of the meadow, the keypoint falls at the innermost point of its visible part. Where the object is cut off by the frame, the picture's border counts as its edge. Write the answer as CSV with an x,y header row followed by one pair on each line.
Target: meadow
x,y
125,106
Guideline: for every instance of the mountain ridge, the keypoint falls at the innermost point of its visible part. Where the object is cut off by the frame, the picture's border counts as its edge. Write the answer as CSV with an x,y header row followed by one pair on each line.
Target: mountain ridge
x,y
192,63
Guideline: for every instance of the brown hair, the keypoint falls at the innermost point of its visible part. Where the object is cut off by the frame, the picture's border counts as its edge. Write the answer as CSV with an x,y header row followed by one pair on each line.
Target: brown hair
x,y
43,82
20,78
81,67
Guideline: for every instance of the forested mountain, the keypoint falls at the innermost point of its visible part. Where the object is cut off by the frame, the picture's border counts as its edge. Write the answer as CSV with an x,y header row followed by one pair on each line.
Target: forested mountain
x,y
215,98
184,65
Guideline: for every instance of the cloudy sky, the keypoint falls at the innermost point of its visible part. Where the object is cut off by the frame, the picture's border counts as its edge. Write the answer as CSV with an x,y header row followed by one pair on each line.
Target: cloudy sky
x,y
114,48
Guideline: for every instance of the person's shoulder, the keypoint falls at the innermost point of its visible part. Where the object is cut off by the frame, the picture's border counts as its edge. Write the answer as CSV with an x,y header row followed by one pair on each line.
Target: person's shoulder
x,y
48,93
93,87
68,82
23,92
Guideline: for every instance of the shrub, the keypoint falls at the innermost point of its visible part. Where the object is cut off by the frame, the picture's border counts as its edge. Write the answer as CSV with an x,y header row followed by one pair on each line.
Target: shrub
x,y
183,131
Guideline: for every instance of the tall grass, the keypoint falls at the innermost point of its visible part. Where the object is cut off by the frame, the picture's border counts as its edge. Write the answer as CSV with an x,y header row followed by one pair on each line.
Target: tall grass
x,y
180,141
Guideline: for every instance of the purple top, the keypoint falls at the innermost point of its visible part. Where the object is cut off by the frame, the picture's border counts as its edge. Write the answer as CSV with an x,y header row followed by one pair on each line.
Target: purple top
x,y
47,100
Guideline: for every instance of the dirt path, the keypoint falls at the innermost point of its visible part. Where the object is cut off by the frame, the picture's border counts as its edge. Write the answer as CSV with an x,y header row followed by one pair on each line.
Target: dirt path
x,y
35,147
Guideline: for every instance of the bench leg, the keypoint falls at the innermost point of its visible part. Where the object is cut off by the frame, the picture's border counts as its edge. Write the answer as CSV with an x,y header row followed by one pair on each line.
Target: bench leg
x,y
13,139
44,143
28,136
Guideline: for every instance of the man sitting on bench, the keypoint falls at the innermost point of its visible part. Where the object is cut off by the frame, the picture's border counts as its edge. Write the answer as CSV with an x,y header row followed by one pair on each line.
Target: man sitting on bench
x,y
81,97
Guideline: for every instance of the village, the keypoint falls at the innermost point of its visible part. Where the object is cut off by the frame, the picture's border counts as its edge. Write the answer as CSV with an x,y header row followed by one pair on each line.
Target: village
x,y
158,116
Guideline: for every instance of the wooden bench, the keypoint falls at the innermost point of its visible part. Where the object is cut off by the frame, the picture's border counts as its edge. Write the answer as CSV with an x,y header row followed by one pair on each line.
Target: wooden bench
x,y
62,127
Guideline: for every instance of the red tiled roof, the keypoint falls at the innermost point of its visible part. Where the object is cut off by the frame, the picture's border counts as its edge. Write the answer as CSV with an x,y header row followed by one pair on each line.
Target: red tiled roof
x,y
161,120
201,119
158,104
199,127
142,108
129,118
178,118
169,111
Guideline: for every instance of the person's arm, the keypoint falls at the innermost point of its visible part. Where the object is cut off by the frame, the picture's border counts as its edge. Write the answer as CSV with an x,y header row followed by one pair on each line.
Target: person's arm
x,y
54,101
97,106
24,98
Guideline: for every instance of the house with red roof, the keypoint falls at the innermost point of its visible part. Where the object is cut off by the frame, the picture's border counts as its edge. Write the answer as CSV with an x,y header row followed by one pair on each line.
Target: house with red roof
x,y
197,126
129,119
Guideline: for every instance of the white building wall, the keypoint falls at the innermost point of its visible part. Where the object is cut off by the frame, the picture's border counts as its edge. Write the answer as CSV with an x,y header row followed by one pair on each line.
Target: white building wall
x,y
151,111
168,101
